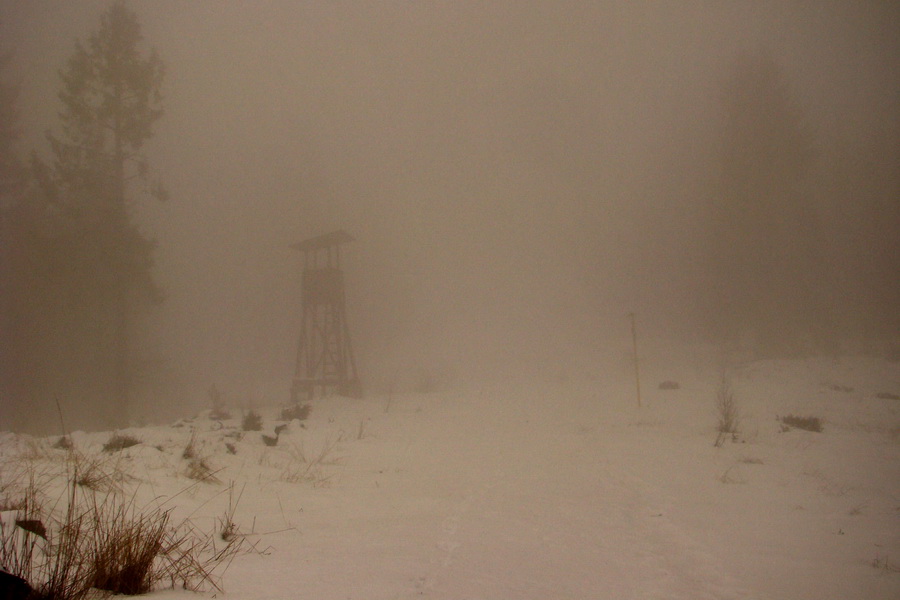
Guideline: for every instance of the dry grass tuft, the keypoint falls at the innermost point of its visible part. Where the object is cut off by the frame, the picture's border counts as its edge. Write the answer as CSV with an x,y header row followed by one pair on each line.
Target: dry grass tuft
x,y
199,469
48,558
125,547
727,412
103,542
228,529
101,474
308,469
190,450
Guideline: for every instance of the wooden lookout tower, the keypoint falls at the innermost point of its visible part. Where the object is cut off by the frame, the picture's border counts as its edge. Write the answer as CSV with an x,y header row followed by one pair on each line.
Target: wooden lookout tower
x,y
324,355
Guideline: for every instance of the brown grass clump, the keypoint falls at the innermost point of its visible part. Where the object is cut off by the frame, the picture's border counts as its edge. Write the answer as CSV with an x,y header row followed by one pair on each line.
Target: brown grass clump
x,y
98,473
125,547
119,441
136,551
806,423
47,552
199,469
104,542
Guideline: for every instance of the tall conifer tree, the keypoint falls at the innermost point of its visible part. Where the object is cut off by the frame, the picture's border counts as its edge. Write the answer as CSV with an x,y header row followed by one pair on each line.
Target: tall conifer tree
x,y
111,100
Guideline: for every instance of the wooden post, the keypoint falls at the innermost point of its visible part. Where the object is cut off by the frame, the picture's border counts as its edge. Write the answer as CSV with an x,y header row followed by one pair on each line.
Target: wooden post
x,y
637,375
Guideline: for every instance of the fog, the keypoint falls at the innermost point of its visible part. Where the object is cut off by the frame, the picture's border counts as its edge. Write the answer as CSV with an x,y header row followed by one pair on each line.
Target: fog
x,y
519,176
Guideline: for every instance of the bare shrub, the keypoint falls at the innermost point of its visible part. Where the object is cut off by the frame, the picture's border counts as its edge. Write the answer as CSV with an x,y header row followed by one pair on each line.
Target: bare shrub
x,y
727,412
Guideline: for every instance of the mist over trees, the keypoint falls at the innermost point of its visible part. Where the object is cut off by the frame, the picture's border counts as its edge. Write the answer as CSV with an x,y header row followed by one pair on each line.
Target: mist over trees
x,y
518,176
778,244
790,214
81,275
764,235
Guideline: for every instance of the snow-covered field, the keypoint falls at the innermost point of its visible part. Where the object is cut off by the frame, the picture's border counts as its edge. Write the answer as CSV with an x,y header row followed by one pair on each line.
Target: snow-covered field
x,y
550,489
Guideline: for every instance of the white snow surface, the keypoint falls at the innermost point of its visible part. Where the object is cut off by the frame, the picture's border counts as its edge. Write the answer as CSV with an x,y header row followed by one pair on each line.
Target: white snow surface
x,y
561,489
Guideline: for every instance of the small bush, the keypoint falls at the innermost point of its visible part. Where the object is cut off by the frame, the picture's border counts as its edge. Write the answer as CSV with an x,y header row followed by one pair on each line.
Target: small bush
x,y
806,423
118,442
297,411
251,421
727,412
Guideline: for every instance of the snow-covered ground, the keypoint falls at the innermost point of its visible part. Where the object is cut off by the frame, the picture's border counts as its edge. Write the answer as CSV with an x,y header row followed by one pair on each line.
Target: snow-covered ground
x,y
551,489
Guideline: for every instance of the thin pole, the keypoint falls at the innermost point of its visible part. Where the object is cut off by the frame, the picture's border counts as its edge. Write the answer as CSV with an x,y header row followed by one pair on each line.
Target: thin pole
x,y
637,374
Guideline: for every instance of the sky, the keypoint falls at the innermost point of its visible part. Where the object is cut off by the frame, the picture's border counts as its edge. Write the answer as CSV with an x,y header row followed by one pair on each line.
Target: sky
x,y
519,176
